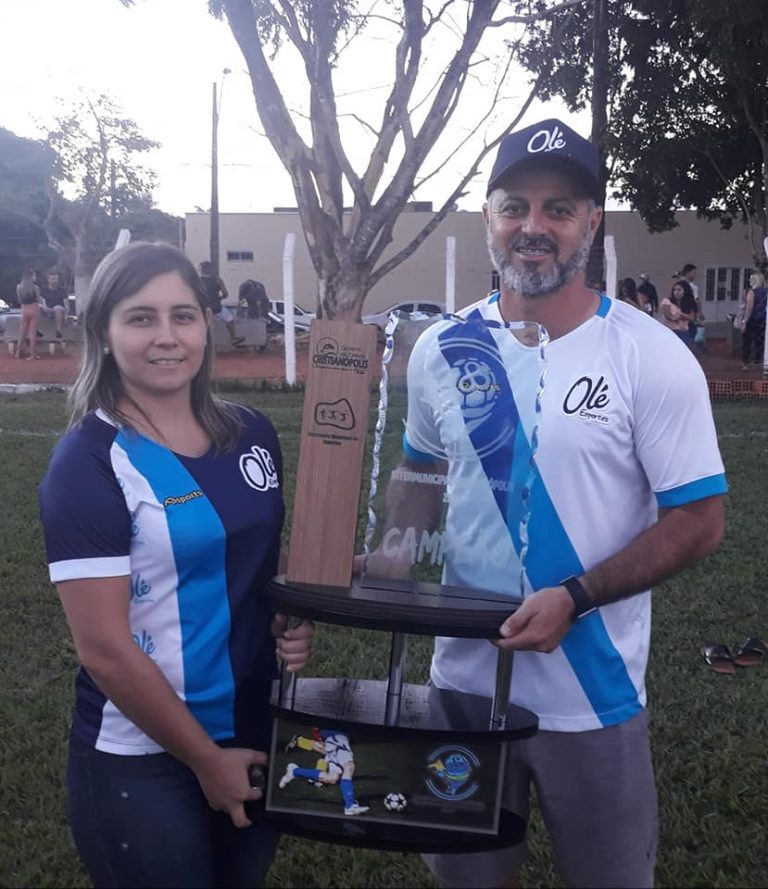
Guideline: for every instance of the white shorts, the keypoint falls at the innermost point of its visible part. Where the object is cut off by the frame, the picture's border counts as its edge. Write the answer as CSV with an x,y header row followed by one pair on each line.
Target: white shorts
x,y
226,314
338,759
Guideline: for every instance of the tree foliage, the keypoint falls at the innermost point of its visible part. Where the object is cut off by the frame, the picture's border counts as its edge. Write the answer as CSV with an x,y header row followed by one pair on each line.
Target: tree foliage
x,y
65,198
95,150
687,106
347,248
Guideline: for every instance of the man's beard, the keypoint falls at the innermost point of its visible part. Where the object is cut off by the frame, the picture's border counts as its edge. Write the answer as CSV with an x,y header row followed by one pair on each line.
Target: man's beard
x,y
531,283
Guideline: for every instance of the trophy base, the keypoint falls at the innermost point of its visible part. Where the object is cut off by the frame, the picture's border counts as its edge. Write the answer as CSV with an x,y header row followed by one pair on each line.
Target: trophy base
x,y
390,837
355,702
397,606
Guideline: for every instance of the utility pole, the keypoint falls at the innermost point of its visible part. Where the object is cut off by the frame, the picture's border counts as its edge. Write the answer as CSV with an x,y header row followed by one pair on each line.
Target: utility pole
x,y
600,71
214,250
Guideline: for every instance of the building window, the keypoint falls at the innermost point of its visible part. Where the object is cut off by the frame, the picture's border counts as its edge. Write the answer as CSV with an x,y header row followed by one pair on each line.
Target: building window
x,y
725,283
239,255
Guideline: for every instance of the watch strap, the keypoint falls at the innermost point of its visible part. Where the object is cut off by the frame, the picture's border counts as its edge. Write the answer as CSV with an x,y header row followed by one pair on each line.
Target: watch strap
x,y
583,605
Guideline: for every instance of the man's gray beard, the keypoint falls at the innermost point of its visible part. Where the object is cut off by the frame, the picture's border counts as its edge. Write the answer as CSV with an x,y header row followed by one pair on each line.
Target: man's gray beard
x,y
530,283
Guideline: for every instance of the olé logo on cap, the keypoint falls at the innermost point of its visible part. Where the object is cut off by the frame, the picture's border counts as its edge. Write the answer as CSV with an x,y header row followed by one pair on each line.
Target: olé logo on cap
x,y
546,140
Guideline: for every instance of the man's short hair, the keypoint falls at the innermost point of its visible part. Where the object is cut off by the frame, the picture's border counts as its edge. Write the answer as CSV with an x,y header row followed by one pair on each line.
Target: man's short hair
x,y
688,267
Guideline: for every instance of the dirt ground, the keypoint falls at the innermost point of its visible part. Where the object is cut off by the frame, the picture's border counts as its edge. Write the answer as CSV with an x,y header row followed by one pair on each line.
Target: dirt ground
x,y
61,368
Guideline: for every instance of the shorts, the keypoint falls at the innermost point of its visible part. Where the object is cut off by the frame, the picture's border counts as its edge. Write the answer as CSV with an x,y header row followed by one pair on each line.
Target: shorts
x,y
336,761
226,314
597,795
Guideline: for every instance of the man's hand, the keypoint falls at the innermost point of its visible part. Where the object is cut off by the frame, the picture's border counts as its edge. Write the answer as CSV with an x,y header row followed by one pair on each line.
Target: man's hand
x,y
540,623
295,644
224,780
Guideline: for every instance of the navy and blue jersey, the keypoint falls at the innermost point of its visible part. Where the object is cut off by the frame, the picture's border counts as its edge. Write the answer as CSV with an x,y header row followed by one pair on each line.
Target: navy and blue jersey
x,y
198,537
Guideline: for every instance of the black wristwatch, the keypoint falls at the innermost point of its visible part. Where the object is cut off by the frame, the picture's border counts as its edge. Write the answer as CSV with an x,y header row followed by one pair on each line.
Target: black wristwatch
x,y
583,605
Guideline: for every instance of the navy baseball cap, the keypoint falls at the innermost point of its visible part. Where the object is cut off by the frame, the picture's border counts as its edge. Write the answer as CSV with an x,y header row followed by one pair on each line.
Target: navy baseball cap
x,y
549,142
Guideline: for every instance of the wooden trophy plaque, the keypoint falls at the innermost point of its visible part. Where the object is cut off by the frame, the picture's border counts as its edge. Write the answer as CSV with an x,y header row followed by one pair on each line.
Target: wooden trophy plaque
x,y
333,433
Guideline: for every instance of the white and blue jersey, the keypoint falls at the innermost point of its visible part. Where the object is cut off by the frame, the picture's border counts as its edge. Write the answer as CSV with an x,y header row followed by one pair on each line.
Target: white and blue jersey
x,y
198,537
625,428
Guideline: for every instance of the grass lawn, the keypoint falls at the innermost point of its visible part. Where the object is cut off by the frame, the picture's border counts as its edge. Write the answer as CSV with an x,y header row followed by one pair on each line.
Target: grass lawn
x,y
710,733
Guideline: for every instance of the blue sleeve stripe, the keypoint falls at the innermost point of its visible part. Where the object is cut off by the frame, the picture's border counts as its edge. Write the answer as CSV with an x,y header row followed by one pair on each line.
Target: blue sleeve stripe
x,y
416,456
698,490
604,307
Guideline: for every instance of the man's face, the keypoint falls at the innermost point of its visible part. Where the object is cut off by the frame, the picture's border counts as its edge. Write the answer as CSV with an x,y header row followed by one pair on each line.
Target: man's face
x,y
53,281
691,274
540,228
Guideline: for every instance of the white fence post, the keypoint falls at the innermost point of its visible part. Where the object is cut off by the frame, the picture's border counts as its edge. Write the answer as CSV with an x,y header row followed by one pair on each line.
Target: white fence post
x,y
289,249
609,248
450,275
765,346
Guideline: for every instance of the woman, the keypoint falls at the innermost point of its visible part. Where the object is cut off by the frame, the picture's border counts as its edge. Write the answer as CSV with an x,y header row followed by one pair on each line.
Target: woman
x,y
162,511
674,316
28,295
628,293
753,324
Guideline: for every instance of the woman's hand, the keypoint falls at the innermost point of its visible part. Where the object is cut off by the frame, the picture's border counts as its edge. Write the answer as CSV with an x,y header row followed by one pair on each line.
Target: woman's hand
x,y
295,644
223,777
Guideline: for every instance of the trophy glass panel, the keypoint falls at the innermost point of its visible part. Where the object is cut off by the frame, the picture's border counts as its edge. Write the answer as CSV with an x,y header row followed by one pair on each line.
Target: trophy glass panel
x,y
453,466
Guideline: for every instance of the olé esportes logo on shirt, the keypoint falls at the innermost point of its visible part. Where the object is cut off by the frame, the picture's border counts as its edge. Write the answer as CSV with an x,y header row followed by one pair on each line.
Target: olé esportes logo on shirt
x,y
588,398
258,469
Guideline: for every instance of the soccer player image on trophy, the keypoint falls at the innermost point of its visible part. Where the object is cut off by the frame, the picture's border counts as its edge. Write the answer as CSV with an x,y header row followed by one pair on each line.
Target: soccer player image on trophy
x,y
450,466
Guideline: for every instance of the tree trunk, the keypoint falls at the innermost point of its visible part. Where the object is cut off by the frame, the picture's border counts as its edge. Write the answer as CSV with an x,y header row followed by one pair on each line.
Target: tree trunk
x,y
341,294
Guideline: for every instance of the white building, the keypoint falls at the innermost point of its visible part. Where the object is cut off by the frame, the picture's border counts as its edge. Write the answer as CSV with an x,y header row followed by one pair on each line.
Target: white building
x,y
252,247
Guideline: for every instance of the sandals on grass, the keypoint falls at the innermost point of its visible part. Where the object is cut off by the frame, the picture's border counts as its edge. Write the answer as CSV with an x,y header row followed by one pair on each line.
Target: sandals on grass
x,y
720,659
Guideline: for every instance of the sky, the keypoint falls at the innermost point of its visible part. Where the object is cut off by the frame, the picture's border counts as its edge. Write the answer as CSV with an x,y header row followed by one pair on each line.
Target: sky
x,y
159,60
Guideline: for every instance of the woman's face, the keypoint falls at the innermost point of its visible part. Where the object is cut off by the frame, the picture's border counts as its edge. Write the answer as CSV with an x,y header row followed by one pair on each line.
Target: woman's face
x,y
677,291
158,337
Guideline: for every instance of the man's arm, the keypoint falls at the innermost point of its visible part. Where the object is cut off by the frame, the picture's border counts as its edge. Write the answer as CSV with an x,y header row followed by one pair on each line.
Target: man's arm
x,y
223,289
680,538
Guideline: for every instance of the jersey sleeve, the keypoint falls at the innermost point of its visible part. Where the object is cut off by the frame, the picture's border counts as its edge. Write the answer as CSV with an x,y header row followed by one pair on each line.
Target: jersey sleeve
x,y
675,434
86,522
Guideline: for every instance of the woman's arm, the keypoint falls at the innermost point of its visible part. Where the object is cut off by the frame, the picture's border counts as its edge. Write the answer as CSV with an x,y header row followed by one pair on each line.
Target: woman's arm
x,y
97,614
749,302
670,310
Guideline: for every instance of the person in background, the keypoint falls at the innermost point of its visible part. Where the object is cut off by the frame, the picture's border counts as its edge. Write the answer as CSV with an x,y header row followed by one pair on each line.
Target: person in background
x,y
649,293
254,295
55,300
162,510
753,324
628,293
28,295
678,309
216,291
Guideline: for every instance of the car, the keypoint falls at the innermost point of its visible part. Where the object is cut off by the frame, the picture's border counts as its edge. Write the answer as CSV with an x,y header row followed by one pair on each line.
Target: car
x,y
6,311
302,319
380,318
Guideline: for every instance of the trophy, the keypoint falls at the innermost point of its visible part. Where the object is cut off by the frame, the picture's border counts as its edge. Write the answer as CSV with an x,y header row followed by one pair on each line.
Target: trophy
x,y
385,763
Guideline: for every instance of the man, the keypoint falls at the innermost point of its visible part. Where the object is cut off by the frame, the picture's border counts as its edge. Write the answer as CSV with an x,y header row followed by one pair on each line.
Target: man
x,y
217,291
55,301
339,766
649,293
254,294
620,395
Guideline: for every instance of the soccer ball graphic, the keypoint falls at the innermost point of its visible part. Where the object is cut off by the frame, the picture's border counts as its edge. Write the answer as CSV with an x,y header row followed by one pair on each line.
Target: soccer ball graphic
x,y
477,387
395,802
